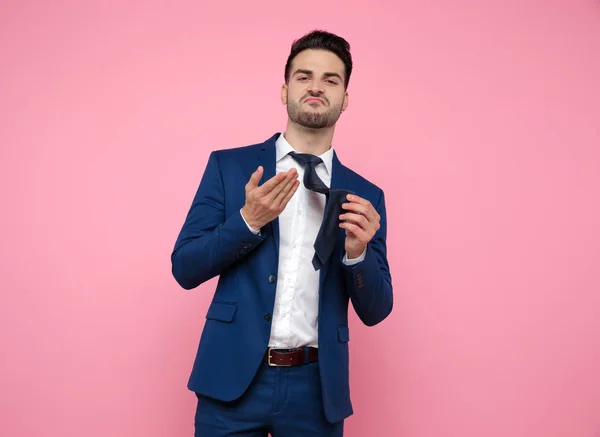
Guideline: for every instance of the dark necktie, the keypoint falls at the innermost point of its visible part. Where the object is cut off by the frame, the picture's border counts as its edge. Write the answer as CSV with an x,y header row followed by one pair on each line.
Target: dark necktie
x,y
325,241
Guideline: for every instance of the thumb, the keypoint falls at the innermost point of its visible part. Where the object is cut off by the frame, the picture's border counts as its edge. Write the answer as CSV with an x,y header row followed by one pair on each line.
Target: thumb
x,y
253,182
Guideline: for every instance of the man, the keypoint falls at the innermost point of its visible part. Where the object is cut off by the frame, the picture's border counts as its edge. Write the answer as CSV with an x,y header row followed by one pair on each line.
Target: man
x,y
292,246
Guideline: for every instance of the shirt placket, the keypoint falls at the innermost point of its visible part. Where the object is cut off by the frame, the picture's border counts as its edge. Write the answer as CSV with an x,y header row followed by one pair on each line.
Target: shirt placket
x,y
298,229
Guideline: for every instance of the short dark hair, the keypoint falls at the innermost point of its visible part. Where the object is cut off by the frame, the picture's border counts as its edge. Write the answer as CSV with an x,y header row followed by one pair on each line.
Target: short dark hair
x,y
322,40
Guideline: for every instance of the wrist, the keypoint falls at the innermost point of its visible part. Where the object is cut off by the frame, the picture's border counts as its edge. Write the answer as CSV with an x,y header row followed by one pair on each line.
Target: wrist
x,y
250,221
353,254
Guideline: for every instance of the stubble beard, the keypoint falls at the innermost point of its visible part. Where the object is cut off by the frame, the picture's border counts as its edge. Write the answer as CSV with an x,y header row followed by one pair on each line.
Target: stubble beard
x,y
313,120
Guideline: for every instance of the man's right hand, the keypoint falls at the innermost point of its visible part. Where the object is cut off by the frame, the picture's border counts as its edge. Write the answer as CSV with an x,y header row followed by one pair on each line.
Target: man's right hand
x,y
265,203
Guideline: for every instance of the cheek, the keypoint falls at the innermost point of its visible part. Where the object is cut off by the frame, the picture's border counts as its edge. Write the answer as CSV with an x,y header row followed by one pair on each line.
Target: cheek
x,y
336,96
293,96
295,91
339,101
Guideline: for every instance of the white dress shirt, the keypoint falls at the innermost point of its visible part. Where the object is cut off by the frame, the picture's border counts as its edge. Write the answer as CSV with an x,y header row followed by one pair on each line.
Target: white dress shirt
x,y
296,311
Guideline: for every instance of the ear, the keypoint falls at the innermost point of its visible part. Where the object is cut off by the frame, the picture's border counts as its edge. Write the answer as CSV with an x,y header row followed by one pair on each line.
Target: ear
x,y
345,103
284,96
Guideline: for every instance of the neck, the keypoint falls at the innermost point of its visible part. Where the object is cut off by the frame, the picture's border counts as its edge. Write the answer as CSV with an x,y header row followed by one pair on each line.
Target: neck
x,y
306,140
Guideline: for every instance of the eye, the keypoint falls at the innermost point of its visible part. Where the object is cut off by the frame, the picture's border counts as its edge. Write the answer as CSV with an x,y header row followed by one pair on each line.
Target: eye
x,y
332,82
301,78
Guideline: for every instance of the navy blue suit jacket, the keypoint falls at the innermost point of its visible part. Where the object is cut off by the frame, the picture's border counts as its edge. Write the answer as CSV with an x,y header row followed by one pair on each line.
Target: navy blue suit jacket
x,y
215,241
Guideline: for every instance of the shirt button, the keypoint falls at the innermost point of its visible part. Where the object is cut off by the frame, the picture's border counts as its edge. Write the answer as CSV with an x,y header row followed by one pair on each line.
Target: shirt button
x,y
267,317
272,279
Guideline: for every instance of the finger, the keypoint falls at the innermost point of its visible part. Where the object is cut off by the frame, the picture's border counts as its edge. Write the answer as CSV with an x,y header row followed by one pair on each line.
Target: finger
x,y
357,219
268,186
253,182
286,189
286,185
357,199
356,230
366,210
289,195
289,175
356,207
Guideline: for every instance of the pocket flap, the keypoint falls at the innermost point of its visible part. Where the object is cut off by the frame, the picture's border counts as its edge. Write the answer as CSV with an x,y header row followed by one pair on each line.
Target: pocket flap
x,y
223,312
343,333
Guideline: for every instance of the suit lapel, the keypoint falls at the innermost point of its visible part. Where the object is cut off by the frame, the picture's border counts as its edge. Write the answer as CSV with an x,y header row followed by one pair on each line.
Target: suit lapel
x,y
339,174
266,159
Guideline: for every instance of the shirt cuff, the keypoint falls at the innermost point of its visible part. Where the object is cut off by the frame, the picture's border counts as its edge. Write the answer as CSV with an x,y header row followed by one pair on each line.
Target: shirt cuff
x,y
255,232
351,262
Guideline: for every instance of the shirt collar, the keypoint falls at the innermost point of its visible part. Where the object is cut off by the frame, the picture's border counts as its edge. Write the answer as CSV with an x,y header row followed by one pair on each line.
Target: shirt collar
x,y
283,148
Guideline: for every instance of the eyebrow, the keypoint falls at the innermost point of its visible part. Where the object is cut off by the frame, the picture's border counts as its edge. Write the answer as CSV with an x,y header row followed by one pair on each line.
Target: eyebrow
x,y
302,71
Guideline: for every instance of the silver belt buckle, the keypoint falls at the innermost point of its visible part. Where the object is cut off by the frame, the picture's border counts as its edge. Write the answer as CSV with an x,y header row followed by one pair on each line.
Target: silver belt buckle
x,y
272,364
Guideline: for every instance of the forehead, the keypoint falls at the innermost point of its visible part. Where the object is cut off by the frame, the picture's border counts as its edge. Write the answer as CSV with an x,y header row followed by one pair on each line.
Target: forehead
x,y
318,61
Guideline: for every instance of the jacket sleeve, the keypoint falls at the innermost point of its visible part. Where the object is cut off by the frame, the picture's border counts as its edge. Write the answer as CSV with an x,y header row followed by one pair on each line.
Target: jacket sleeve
x,y
210,242
369,282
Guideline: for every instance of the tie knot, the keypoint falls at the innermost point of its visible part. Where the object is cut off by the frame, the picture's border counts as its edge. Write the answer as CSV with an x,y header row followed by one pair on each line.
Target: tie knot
x,y
306,158
312,181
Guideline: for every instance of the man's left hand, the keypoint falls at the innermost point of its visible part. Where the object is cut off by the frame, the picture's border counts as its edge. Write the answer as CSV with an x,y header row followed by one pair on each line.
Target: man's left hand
x,y
361,224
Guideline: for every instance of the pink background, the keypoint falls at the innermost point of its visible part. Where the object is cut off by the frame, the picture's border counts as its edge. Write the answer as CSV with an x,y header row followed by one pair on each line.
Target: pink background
x,y
479,119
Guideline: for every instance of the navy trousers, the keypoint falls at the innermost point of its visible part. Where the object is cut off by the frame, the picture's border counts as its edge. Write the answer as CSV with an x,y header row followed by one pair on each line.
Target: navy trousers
x,y
281,401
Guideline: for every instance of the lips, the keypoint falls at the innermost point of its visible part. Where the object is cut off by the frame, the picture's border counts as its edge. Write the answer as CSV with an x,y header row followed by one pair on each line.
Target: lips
x,y
314,99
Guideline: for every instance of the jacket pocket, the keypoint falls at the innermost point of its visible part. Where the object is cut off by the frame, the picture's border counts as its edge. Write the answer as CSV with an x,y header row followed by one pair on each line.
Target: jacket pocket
x,y
223,312
343,334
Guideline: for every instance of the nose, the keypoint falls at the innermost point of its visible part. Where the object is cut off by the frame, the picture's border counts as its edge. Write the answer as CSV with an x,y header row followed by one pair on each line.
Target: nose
x,y
315,88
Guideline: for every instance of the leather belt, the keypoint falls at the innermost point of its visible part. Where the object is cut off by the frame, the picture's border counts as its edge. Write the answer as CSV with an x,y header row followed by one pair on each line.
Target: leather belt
x,y
294,357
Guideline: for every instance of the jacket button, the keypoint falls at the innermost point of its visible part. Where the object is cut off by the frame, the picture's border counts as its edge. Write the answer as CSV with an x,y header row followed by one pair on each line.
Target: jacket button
x,y
272,279
267,317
